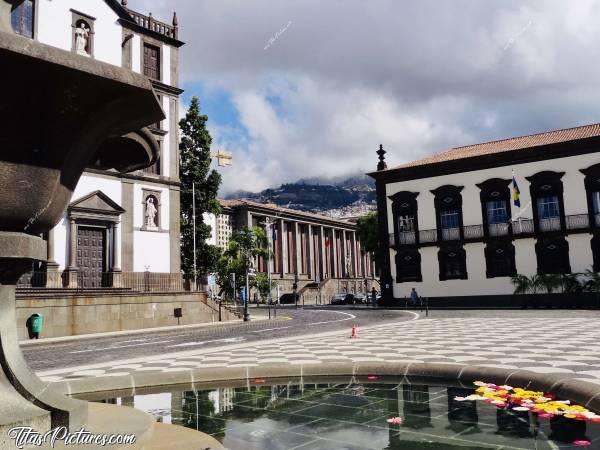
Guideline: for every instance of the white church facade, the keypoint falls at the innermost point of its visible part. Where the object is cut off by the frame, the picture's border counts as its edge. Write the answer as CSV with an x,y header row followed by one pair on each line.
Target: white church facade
x,y
116,223
451,227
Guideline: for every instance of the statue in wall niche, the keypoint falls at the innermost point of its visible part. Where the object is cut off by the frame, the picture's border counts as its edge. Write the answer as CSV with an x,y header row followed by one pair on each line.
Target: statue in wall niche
x,y
151,213
82,36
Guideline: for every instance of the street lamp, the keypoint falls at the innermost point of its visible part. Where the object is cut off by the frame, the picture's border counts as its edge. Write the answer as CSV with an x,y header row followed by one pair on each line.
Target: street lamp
x,y
267,224
247,256
295,286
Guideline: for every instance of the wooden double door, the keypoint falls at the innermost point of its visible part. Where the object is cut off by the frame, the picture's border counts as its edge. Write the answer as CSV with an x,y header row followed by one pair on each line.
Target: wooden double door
x,y
91,256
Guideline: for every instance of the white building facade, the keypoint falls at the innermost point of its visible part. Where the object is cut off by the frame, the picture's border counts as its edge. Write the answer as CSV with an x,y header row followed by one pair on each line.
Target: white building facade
x,y
117,222
451,227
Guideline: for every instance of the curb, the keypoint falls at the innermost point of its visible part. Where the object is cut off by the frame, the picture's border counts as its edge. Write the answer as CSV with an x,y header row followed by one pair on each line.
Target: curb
x,y
77,337
565,386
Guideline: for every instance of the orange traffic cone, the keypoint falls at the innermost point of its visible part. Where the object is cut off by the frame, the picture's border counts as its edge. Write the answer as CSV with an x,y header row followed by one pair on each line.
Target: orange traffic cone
x,y
353,335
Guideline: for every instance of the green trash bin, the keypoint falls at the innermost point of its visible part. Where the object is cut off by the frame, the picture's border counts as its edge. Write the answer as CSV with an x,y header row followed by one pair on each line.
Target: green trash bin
x,y
37,320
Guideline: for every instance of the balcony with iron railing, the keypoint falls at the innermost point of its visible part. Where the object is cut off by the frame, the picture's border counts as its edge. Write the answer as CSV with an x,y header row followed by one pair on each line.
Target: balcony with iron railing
x,y
549,224
521,227
498,229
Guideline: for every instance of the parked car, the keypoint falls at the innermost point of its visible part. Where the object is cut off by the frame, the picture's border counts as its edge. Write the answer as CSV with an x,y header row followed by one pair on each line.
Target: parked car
x,y
338,299
360,298
346,299
288,299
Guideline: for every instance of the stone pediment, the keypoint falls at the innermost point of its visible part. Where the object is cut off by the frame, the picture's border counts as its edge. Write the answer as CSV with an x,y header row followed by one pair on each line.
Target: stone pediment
x,y
95,204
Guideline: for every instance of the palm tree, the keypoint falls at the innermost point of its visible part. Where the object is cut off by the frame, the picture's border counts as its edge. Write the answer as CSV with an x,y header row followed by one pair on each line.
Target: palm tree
x,y
571,283
549,281
592,283
521,283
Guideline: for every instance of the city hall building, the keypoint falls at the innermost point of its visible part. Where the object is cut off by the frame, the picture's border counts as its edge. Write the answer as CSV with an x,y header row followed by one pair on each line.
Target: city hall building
x,y
451,226
320,250
116,223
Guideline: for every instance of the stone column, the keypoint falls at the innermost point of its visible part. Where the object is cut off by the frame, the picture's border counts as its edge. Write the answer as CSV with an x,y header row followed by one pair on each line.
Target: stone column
x,y
362,260
298,247
51,264
284,248
116,256
344,253
334,261
71,271
311,254
354,256
53,279
324,270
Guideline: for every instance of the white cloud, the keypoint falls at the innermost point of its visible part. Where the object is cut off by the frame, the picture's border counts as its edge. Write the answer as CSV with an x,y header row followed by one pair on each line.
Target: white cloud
x,y
417,77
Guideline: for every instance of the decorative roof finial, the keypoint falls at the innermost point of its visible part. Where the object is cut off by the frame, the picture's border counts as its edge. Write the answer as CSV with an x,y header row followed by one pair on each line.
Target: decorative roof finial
x,y
175,21
382,164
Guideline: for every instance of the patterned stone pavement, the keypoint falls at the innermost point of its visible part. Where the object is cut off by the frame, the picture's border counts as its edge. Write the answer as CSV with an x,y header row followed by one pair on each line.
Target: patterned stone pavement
x,y
543,345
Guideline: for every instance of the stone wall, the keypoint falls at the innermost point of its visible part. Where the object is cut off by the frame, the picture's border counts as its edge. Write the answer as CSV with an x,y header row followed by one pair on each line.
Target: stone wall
x,y
74,314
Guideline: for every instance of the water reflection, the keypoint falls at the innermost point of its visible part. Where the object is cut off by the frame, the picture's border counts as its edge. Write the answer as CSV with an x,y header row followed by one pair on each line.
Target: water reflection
x,y
353,415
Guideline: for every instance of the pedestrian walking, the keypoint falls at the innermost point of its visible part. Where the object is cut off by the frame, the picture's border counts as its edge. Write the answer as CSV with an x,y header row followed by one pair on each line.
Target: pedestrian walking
x,y
414,297
373,296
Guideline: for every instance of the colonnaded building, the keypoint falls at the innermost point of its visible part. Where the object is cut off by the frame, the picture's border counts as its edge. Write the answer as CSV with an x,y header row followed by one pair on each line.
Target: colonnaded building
x,y
452,228
116,223
324,252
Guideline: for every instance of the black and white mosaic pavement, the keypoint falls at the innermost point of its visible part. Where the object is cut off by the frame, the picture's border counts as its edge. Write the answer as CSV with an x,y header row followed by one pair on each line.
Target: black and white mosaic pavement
x,y
543,345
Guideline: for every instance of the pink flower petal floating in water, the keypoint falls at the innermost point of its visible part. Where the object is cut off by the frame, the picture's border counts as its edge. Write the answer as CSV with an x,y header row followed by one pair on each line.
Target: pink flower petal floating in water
x,y
546,416
395,420
582,443
521,408
372,377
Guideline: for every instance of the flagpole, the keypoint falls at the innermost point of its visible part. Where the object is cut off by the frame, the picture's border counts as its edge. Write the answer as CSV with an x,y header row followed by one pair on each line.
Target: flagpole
x,y
519,204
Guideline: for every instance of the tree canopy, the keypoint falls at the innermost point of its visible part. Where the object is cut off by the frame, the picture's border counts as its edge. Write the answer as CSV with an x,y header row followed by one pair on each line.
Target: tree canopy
x,y
367,232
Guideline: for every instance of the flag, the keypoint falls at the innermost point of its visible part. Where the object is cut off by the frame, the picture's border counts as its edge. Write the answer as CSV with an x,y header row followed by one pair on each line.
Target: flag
x,y
274,234
326,242
516,192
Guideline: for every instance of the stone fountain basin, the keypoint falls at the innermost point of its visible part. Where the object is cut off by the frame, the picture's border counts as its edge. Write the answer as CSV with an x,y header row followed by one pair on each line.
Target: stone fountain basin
x,y
62,113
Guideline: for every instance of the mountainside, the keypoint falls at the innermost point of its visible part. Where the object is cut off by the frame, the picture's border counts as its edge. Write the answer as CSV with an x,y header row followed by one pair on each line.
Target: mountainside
x,y
353,196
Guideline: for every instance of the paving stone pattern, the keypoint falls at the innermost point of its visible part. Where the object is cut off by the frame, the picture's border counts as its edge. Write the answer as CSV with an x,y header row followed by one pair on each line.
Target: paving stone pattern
x,y
542,345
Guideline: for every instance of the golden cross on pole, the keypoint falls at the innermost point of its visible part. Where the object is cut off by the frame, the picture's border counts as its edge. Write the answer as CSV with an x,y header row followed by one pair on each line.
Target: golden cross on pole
x,y
224,158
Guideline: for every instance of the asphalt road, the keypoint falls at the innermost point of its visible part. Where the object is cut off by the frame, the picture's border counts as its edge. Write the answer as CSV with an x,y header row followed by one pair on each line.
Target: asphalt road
x,y
290,322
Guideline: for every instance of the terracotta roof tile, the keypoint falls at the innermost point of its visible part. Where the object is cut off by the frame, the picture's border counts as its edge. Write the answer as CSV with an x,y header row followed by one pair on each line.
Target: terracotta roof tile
x,y
521,143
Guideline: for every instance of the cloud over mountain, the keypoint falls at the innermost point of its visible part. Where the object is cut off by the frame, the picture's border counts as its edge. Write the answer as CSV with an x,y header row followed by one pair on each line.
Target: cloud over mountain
x,y
339,77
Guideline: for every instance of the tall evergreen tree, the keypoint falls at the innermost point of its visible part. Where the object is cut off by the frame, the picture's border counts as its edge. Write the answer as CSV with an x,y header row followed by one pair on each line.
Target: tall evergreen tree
x,y
195,169
367,232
